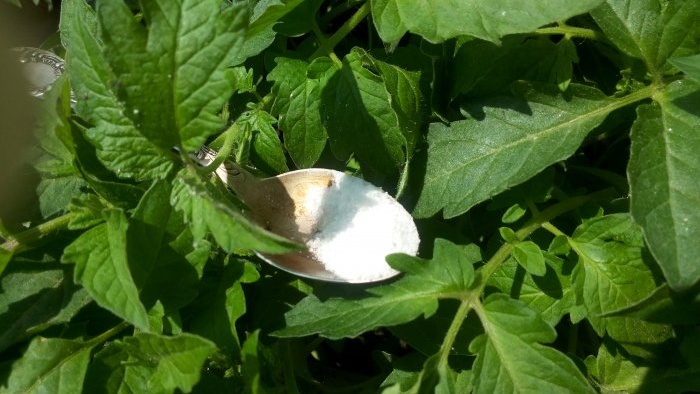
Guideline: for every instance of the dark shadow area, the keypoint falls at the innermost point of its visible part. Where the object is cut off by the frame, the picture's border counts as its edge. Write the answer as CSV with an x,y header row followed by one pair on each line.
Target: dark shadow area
x,y
477,108
689,103
268,299
426,334
209,312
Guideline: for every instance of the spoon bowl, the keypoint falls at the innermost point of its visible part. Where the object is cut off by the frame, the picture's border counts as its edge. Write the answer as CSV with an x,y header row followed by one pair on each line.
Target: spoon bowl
x,y
338,216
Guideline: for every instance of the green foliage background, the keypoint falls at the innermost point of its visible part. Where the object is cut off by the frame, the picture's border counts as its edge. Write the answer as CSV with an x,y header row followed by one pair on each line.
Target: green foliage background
x,y
548,152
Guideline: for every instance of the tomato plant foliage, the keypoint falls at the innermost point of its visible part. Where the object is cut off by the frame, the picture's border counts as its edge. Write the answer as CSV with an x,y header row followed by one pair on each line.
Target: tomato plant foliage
x,y
548,152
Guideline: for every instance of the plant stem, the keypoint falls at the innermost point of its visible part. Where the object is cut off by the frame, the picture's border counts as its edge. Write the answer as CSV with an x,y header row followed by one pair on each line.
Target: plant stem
x,y
572,31
552,229
328,45
533,224
453,330
224,152
317,32
22,241
108,334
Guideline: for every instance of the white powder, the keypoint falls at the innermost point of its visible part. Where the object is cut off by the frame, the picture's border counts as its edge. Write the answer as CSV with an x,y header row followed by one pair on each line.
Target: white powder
x,y
358,225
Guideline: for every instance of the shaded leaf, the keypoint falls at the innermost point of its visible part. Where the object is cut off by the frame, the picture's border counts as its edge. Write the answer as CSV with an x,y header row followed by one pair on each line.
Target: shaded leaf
x,y
61,179
170,362
611,274
665,306
662,172
614,372
357,111
221,304
551,295
31,301
251,363
406,98
101,267
426,334
497,66
50,365
448,272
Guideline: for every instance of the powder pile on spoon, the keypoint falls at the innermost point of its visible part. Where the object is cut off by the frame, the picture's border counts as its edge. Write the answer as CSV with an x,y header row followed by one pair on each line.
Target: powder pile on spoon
x,y
358,226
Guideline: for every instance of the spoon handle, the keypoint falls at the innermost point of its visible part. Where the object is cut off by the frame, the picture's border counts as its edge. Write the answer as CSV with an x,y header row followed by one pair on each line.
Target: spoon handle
x,y
233,175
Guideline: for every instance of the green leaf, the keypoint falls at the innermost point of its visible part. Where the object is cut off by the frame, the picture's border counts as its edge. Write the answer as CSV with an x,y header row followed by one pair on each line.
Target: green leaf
x,y
510,356
489,20
120,145
662,172
300,20
665,306
511,141
148,363
647,29
614,372
551,294
611,274
174,75
208,210
415,294
406,98
251,363
5,257
61,179
514,213
256,40
50,365
690,65
271,12
33,300
267,150
101,266
530,257
170,362
508,235
86,211
357,111
297,103
437,377
76,10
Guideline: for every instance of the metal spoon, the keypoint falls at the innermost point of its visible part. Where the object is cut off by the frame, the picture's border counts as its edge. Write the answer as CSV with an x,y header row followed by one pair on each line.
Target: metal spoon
x,y
288,204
